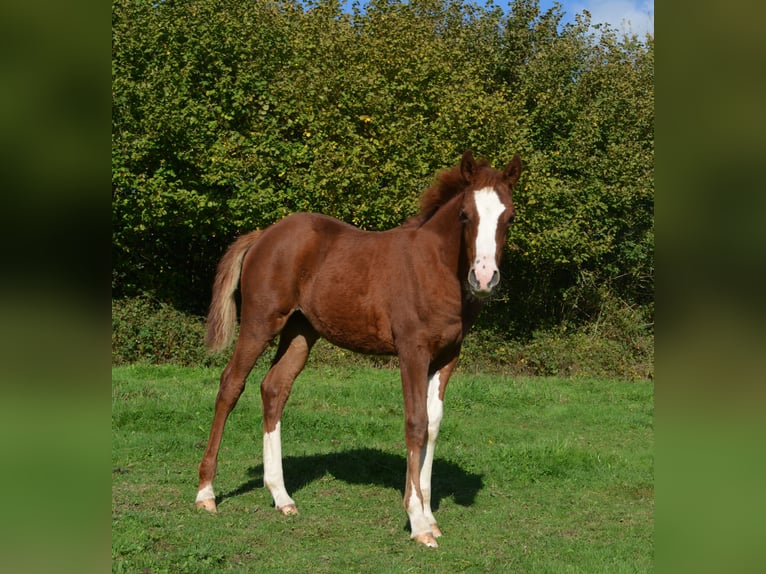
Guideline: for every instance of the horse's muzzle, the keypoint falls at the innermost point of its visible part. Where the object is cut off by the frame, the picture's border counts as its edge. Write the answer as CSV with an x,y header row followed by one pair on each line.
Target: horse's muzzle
x,y
483,284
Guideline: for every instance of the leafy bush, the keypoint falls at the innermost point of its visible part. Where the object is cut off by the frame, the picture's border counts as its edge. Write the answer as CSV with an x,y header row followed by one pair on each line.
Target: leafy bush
x,y
144,329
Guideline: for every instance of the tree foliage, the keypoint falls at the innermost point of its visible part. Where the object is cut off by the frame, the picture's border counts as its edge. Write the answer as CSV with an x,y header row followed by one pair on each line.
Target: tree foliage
x,y
229,115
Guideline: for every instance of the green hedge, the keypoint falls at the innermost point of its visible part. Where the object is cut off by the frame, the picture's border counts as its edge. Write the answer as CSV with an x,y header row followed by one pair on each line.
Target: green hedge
x,y
145,330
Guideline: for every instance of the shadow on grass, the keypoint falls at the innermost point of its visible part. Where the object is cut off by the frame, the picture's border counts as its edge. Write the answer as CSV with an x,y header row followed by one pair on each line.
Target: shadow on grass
x,y
367,466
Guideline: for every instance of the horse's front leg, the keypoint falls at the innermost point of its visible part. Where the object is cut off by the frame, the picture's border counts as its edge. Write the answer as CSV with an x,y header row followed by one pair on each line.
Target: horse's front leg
x,y
435,408
415,387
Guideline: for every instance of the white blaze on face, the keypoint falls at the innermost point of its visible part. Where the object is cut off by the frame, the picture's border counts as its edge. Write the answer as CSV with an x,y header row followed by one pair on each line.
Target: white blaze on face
x,y
489,208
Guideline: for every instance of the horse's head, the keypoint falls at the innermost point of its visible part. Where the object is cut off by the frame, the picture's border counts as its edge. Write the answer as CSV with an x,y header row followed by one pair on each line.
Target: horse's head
x,y
486,214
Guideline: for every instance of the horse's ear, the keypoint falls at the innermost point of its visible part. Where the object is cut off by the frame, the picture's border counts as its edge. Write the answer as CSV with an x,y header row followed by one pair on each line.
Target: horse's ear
x,y
468,166
512,171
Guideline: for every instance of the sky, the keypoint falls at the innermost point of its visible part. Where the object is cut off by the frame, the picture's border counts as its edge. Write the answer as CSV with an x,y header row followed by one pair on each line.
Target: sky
x,y
629,16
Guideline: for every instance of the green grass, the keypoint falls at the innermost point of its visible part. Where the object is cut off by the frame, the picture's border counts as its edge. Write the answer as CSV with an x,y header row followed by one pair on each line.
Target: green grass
x,y
531,475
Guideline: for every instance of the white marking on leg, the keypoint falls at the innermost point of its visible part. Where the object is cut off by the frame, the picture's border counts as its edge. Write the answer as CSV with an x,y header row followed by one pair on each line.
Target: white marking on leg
x,y
272,467
435,413
490,208
418,521
205,493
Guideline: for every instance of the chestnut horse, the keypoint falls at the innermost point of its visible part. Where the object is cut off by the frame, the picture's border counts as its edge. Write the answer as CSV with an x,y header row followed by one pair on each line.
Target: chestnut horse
x,y
412,291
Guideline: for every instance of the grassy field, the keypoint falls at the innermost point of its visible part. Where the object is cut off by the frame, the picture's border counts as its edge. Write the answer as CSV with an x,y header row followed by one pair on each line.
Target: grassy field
x,y
531,475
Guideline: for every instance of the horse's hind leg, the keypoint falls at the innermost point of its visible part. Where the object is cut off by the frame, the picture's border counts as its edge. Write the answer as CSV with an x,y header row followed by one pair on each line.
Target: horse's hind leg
x,y
249,347
295,344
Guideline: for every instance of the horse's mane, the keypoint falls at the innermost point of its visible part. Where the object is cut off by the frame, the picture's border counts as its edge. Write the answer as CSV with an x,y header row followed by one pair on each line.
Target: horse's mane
x,y
447,184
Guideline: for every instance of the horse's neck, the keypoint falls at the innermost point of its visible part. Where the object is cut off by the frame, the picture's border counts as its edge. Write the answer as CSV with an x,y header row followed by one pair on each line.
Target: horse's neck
x,y
445,234
444,231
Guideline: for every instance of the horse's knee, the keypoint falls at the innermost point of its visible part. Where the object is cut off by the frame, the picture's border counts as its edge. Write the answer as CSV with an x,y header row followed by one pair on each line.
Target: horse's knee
x,y
435,416
416,430
433,428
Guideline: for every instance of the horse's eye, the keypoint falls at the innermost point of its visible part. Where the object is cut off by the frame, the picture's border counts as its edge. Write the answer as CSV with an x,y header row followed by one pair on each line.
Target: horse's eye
x,y
463,217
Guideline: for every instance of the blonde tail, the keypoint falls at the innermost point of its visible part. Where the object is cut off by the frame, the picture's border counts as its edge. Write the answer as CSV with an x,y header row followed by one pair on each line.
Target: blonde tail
x,y
222,316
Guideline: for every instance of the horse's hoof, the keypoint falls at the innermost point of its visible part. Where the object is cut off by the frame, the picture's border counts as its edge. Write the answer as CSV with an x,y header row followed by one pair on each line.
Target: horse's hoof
x,y
426,538
436,531
288,510
207,504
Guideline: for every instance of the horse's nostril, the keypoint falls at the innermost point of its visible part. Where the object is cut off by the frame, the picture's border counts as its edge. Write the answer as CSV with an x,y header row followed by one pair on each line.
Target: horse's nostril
x,y
472,280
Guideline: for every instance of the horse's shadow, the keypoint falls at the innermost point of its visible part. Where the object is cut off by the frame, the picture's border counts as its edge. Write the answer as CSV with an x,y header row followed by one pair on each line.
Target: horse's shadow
x,y
368,466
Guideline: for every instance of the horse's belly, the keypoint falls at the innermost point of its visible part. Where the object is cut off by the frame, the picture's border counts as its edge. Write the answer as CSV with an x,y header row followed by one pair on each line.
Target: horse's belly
x,y
370,345
356,329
